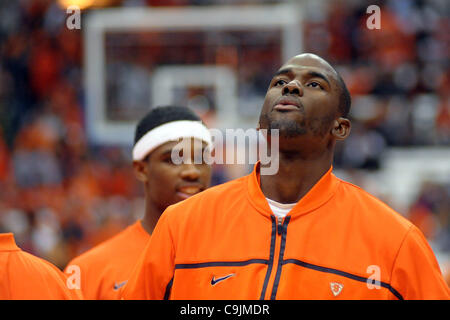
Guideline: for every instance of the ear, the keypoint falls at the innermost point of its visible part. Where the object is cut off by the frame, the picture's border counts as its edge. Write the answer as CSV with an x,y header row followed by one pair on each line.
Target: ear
x,y
341,129
140,170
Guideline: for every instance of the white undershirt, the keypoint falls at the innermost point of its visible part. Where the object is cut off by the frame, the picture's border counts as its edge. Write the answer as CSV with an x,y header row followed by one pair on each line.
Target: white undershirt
x,y
280,210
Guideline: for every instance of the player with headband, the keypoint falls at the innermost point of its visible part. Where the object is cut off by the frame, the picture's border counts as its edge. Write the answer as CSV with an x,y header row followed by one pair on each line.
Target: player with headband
x,y
105,268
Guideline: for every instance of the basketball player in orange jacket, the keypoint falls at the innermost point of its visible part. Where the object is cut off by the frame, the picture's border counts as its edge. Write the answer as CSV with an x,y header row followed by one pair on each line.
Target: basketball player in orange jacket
x,y
105,268
300,233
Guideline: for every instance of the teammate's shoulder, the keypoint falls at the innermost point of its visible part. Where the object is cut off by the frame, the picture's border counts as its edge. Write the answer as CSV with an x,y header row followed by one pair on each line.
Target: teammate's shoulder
x,y
37,264
42,279
102,250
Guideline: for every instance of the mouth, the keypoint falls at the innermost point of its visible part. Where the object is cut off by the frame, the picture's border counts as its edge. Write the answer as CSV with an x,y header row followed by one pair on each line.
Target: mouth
x,y
185,192
287,104
285,107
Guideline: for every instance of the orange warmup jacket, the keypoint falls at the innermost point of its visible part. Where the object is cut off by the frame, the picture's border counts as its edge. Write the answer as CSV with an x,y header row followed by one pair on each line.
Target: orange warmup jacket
x,y
338,240
27,277
105,268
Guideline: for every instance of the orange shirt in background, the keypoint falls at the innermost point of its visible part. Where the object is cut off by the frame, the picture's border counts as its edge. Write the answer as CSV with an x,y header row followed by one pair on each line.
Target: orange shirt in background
x,y
105,268
27,277
337,242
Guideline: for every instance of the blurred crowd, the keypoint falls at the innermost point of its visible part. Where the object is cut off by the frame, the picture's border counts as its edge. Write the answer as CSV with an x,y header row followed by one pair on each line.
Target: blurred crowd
x,y
60,194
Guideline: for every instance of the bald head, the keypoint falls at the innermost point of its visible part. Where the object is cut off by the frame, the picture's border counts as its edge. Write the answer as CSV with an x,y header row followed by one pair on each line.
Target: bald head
x,y
313,60
310,59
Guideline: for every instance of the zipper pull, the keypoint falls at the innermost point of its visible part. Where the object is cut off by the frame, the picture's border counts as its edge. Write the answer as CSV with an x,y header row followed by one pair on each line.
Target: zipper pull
x,y
279,226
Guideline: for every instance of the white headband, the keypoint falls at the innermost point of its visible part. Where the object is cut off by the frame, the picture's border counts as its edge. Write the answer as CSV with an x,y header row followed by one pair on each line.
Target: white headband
x,y
171,131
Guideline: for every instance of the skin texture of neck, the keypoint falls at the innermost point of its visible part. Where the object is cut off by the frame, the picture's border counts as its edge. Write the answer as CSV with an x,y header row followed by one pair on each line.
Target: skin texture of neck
x,y
152,214
295,177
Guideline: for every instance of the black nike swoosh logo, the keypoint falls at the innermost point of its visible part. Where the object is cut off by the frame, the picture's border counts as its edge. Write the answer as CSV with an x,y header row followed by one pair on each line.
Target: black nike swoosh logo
x,y
215,281
120,285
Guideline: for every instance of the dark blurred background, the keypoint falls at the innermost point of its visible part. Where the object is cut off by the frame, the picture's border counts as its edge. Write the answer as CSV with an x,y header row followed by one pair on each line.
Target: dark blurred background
x,y
62,192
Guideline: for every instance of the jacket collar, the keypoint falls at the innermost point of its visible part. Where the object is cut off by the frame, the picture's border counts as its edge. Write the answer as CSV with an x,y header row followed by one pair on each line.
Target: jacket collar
x,y
319,194
7,242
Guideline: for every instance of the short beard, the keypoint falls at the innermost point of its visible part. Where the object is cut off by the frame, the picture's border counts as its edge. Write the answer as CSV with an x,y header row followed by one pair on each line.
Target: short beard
x,y
288,128
293,129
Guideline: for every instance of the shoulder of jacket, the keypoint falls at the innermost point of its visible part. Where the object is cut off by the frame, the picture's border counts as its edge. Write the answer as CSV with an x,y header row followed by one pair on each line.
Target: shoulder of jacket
x,y
203,203
98,252
383,211
39,265
211,194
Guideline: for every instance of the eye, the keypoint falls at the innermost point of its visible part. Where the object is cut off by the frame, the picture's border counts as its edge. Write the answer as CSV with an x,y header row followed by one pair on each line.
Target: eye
x,y
315,84
167,159
279,82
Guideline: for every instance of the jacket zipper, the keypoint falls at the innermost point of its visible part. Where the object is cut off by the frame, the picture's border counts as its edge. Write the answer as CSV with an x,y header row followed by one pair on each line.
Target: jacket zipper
x,y
282,232
279,225
278,252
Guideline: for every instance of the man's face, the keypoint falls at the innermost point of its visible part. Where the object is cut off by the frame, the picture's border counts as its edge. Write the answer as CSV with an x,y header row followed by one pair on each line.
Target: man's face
x,y
168,183
302,99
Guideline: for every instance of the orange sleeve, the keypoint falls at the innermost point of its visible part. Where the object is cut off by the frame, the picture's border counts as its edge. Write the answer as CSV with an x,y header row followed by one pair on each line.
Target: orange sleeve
x,y
416,274
152,276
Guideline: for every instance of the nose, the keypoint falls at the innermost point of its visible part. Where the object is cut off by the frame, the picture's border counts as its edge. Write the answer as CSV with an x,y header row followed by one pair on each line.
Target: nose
x,y
293,87
190,172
